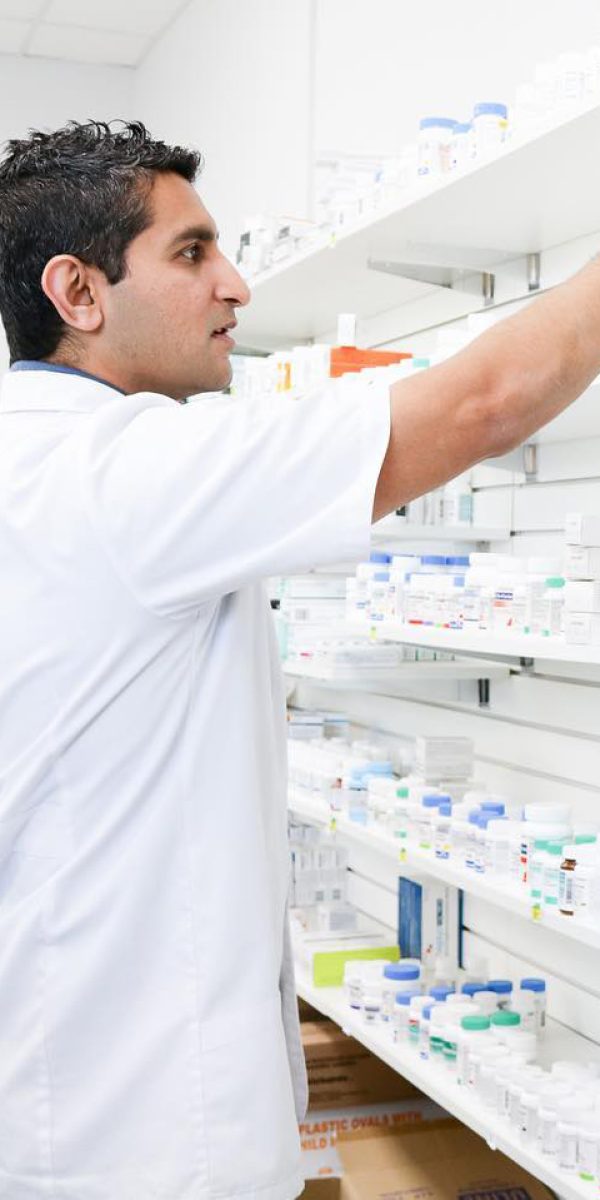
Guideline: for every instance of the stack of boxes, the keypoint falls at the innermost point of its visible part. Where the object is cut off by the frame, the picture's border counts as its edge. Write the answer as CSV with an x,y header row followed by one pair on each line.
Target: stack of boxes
x,y
582,574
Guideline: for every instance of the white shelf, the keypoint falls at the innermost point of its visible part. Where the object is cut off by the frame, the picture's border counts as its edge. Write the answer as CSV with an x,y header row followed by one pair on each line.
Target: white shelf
x,y
423,862
387,681
460,641
433,1079
396,529
557,180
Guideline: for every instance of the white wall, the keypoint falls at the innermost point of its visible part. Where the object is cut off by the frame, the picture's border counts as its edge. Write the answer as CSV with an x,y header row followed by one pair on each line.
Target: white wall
x,y
233,79
382,64
39,93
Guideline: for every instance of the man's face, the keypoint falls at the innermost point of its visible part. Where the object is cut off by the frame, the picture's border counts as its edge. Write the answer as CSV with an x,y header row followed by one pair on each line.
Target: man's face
x,y
164,320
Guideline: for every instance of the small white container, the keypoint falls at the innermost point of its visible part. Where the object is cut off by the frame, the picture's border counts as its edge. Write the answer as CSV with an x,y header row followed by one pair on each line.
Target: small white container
x,y
435,141
551,1100
588,1148
490,124
400,1015
474,1033
398,977
417,1004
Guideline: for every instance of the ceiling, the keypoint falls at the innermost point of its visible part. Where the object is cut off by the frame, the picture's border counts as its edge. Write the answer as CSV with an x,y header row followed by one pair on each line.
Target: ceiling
x,y
92,31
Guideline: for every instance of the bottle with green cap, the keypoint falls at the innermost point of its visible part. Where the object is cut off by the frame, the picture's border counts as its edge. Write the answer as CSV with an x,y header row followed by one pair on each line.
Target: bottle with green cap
x,y
474,1031
551,873
536,871
398,821
504,1024
553,607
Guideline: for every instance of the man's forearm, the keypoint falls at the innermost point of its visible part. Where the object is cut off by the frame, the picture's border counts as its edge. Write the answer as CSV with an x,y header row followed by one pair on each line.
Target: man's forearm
x,y
493,395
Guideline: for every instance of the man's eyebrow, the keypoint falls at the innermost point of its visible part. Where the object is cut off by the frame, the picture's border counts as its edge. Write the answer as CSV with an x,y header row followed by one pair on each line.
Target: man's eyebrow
x,y
195,233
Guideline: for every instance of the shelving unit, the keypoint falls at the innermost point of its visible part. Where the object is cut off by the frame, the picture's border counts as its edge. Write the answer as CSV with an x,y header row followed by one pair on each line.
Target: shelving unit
x,y
422,862
386,682
396,529
560,1043
461,641
555,177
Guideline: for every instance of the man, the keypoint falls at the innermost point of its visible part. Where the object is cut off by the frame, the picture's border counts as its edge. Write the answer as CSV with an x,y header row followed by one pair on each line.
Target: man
x,y
148,1040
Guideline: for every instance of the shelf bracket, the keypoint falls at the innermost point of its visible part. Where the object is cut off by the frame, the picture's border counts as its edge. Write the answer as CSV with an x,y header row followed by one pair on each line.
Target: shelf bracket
x,y
523,461
534,262
483,687
450,275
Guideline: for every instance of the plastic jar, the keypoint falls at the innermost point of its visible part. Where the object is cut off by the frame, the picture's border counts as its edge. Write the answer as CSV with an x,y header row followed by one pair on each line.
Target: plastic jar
x,y
532,831
453,1028
548,813
518,1084
490,125
529,1108
502,989
568,1119
536,873
435,140
492,1059
378,596
398,977
487,1001
551,874
442,822
424,1031
533,1018
552,1098
474,1033
372,1001
588,1147
365,571
428,808
497,847
504,1024
400,1015
462,151
416,1006
353,981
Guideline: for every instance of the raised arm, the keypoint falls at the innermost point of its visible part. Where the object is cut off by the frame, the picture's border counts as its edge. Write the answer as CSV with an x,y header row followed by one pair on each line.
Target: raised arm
x,y
493,395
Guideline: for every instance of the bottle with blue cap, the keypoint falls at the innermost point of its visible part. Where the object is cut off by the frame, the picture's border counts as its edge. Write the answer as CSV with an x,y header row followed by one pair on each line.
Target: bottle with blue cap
x,y
359,595
462,146
490,124
402,1005
398,977
530,1002
429,806
435,140
502,989
442,823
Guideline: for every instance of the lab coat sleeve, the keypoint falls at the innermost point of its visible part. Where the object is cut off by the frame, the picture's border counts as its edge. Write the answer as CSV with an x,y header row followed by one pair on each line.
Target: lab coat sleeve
x,y
195,501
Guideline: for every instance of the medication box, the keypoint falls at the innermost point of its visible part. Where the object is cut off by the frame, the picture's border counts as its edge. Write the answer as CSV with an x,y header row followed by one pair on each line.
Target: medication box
x,y
443,758
582,529
582,596
582,629
320,1131
582,562
323,957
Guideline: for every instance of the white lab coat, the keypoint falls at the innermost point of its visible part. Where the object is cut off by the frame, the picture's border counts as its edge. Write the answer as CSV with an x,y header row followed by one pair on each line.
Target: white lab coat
x,y
148,1039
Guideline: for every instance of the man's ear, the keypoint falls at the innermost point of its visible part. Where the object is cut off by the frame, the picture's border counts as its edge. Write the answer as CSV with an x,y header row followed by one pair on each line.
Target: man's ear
x,y
72,288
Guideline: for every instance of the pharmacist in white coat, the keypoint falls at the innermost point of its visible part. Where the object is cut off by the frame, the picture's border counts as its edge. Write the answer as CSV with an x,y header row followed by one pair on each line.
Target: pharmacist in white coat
x,y
149,1045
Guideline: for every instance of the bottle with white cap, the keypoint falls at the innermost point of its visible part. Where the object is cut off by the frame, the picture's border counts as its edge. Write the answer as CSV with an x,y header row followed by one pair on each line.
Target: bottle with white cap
x,y
400,1015
529,1107
474,1032
588,1147
551,1100
517,1086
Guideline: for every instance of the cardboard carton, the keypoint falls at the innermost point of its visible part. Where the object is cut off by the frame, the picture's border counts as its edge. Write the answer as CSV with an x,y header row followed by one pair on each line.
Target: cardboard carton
x,y
441,1161
343,1073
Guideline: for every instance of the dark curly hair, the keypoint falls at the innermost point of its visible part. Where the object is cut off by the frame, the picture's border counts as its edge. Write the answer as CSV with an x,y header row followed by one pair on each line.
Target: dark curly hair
x,y
83,190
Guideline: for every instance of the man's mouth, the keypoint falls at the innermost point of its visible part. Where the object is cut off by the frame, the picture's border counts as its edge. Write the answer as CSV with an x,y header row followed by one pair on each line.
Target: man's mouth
x,y
222,333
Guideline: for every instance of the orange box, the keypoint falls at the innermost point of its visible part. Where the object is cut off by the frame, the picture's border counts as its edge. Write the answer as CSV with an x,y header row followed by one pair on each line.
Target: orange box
x,y
345,359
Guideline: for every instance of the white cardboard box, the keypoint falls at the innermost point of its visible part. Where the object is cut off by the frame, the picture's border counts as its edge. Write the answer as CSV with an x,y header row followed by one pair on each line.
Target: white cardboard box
x,y
582,629
582,529
582,596
582,562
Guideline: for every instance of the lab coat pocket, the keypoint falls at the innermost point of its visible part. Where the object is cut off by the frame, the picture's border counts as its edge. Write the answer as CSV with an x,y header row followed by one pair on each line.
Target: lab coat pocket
x,y
251,1127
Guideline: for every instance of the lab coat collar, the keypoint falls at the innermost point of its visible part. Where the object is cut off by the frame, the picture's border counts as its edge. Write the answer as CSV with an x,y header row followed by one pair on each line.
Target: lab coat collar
x,y
53,391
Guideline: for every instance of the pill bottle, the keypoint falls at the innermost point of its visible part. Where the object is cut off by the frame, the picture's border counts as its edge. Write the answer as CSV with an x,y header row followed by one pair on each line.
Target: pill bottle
x,y
569,1118
397,977
552,1098
492,1058
588,1147
549,813
416,1006
440,992
490,123
474,1032
518,1085
353,984
502,989
487,1001
442,821
536,872
435,140
504,1023
533,1017
532,831
453,1028
523,1045
551,874
462,150
424,1032
529,1107
400,1015
429,806
371,1001
566,881
497,847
